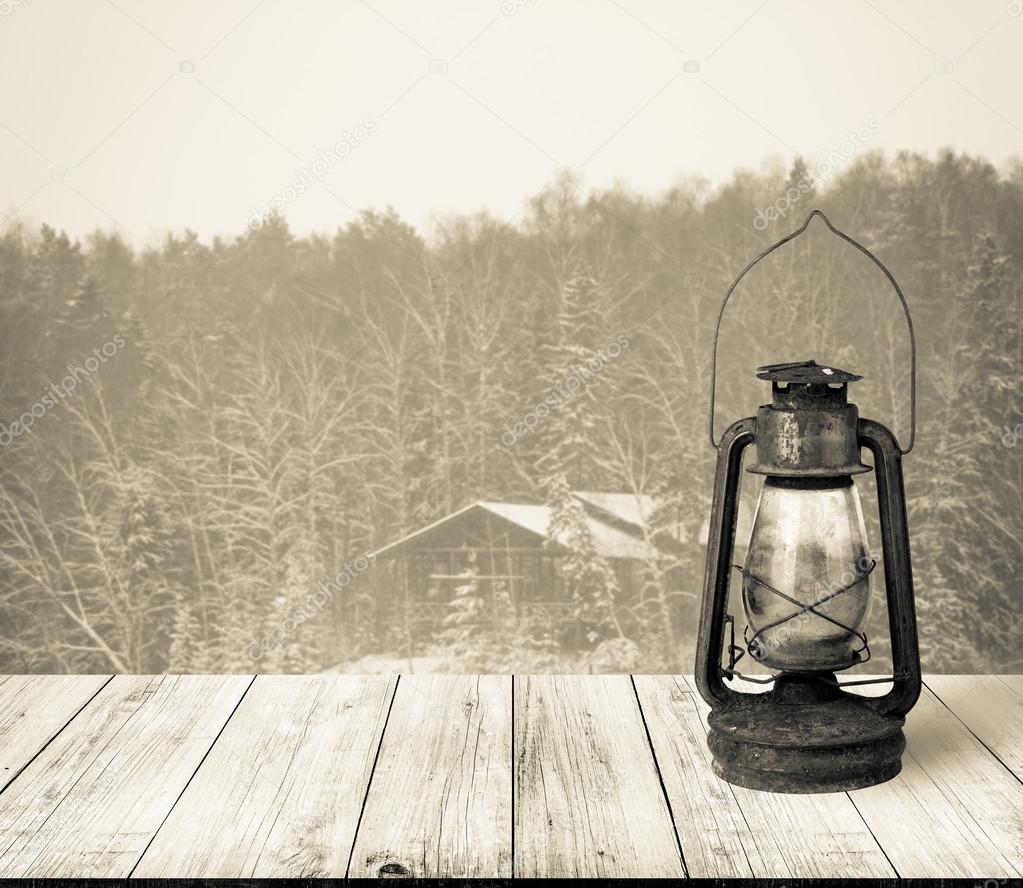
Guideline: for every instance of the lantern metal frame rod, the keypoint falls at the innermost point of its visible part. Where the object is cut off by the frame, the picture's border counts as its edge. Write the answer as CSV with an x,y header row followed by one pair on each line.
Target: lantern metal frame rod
x,y
808,607
877,262
808,734
736,653
898,574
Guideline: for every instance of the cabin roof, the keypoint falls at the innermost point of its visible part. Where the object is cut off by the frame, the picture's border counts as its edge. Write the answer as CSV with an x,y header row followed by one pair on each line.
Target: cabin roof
x,y
614,521
629,507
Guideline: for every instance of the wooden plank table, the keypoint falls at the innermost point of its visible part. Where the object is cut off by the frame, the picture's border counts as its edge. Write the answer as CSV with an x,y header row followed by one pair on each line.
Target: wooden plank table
x,y
487,776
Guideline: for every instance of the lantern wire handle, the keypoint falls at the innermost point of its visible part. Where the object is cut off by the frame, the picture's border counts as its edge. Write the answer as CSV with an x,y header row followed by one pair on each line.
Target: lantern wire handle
x,y
877,262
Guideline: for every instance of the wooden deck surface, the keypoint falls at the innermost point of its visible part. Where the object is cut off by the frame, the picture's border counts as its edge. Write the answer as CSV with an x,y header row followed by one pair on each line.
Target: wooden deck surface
x,y
485,776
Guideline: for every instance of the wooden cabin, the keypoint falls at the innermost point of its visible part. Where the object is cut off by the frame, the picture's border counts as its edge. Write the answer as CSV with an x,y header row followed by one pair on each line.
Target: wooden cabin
x,y
504,544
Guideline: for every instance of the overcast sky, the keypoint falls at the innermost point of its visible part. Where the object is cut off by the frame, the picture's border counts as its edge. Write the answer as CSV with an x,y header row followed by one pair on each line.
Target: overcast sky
x,y
156,116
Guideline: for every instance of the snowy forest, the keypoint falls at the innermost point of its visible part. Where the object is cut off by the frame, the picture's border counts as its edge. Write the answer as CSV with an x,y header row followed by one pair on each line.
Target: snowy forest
x,y
196,437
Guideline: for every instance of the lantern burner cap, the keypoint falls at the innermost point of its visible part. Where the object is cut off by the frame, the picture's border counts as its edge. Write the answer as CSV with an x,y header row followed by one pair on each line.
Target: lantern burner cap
x,y
809,429
805,373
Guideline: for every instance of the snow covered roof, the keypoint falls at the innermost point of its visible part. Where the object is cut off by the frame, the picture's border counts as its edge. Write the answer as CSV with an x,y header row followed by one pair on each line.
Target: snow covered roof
x,y
534,518
603,512
633,508
609,540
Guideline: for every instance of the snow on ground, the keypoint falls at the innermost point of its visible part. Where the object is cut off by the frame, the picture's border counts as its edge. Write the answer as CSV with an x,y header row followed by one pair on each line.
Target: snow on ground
x,y
387,664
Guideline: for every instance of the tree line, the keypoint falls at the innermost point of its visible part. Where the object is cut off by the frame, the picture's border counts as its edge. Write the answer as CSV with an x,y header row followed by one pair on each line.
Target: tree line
x,y
196,437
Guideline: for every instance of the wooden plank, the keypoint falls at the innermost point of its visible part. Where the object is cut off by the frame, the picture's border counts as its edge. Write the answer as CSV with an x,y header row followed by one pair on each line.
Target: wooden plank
x,y
280,793
440,800
716,840
992,707
33,710
953,811
811,836
1014,682
588,799
92,800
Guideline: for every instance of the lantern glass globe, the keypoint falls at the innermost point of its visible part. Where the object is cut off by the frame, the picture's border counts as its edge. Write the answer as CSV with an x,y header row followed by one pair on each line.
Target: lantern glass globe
x,y
809,544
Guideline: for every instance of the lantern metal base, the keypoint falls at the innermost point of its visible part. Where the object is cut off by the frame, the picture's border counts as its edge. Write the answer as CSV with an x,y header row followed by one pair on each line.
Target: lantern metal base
x,y
805,736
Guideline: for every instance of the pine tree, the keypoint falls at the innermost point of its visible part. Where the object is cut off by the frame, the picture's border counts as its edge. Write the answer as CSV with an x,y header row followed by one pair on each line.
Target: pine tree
x,y
81,323
139,366
800,186
992,391
293,611
954,517
145,548
189,649
567,461
464,625
588,578
571,374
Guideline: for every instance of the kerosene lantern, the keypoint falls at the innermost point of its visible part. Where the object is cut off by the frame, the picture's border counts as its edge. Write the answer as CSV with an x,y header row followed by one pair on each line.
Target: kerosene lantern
x,y
806,585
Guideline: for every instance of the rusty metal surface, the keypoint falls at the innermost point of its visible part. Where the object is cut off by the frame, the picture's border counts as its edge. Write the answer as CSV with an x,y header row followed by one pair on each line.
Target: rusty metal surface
x,y
828,746
805,373
808,441
809,429
720,545
898,569
839,741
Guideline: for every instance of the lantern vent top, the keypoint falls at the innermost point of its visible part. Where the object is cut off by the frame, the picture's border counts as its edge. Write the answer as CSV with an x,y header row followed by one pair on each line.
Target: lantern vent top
x,y
805,373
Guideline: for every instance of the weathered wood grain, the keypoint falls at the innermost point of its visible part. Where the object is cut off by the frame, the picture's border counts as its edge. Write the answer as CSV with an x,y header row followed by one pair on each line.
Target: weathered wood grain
x,y
812,836
33,709
106,767
992,707
939,817
588,798
440,800
1014,682
92,800
716,840
280,793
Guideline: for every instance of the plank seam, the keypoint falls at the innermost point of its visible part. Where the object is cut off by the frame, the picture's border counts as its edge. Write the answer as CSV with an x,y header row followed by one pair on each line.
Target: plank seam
x,y
953,802
994,754
284,779
660,778
514,776
731,792
964,810
66,794
191,777
372,772
877,841
56,734
1001,680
